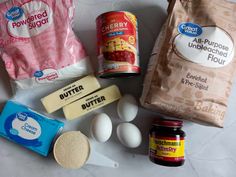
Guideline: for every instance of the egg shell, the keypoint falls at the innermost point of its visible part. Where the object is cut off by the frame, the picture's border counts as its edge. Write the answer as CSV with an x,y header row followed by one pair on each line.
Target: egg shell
x,y
101,127
127,108
129,135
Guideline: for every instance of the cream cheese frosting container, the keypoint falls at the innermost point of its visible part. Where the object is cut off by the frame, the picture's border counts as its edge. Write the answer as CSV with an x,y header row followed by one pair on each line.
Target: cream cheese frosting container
x,y
70,93
27,128
92,102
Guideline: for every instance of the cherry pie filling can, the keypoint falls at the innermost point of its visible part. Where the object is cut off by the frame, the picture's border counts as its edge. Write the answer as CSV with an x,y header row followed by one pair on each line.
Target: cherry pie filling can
x,y
117,44
166,143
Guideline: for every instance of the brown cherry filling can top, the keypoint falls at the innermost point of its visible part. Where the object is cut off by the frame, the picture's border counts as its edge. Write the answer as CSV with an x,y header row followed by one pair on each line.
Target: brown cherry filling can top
x,y
117,44
166,143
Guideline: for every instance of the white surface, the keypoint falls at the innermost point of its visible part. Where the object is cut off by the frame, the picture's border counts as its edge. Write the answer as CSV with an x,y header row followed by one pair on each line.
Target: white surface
x,y
210,152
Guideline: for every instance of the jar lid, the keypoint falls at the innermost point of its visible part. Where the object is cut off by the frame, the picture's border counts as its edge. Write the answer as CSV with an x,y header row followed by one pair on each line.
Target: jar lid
x,y
169,123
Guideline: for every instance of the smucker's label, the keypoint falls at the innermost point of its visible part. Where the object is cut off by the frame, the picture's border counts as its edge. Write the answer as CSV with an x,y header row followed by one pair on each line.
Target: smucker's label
x,y
208,46
167,148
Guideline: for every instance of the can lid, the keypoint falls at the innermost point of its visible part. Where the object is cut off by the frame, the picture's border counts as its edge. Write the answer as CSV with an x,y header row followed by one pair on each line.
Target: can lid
x,y
168,123
110,12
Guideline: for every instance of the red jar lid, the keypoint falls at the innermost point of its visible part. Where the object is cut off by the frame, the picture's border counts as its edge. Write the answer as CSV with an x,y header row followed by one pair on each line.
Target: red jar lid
x,y
169,123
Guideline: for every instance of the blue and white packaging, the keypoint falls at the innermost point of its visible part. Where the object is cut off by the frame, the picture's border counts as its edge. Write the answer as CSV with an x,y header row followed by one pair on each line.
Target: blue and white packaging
x,y
32,130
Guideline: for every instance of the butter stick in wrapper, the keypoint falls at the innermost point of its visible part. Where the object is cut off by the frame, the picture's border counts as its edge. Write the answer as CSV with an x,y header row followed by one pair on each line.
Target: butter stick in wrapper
x,y
70,93
92,102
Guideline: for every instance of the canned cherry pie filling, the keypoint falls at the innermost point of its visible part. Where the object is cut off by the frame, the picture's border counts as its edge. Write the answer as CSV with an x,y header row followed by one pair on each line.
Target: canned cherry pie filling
x,y
117,45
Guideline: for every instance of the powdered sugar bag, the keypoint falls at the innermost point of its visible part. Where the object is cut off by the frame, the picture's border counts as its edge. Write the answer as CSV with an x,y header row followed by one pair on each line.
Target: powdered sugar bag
x,y
37,43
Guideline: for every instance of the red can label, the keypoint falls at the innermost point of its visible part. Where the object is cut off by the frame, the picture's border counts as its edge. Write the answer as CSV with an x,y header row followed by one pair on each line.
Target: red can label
x,y
117,43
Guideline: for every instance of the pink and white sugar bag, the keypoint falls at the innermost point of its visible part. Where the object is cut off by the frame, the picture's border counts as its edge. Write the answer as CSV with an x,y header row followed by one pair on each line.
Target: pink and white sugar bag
x,y
37,43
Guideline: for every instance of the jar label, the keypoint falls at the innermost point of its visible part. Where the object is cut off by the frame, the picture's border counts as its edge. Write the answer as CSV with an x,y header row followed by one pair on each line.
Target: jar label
x,y
167,148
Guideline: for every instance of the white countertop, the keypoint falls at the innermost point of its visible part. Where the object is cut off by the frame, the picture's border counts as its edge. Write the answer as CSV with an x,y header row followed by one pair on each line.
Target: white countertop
x,y
210,152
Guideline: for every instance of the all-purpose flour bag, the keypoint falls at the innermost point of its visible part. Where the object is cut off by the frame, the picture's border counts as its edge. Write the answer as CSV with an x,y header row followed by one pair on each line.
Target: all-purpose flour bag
x,y
37,43
193,63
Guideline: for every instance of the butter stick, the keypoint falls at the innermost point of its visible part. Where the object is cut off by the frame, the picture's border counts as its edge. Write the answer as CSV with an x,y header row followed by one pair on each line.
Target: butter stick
x,y
92,102
70,93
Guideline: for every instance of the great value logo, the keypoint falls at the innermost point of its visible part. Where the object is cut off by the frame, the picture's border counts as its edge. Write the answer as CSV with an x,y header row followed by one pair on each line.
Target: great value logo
x,y
22,116
14,13
190,29
38,74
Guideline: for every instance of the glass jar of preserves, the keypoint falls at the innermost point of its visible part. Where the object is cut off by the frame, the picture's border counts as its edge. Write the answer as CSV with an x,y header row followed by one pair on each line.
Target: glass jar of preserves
x,y
166,143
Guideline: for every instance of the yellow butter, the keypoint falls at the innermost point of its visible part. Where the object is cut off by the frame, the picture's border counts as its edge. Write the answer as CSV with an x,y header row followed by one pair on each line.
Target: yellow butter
x,y
92,102
70,93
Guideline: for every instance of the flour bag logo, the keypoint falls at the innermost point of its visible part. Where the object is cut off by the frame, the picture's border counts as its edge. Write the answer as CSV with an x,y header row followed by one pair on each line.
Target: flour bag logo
x,y
190,29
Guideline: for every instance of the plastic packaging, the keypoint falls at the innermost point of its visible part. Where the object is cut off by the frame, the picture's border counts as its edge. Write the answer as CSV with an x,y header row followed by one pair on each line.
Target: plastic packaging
x,y
28,128
37,43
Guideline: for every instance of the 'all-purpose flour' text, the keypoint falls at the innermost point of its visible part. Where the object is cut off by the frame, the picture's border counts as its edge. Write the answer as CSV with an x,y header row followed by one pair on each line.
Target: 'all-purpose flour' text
x,y
217,52
33,21
208,46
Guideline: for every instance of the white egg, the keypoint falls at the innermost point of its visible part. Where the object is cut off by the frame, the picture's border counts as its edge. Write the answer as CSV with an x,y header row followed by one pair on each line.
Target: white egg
x,y
129,135
127,108
101,127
